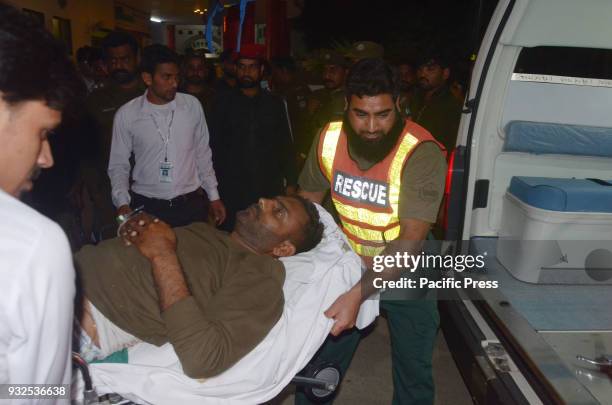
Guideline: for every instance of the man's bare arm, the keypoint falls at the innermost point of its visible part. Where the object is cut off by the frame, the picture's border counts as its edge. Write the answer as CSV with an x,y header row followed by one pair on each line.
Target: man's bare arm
x,y
169,281
157,242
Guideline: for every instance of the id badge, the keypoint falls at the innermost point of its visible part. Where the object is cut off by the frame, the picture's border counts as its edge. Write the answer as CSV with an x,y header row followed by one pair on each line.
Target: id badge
x,y
165,172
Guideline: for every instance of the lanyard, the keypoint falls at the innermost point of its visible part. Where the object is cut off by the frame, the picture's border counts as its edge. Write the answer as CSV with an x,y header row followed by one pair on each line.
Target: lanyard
x,y
165,140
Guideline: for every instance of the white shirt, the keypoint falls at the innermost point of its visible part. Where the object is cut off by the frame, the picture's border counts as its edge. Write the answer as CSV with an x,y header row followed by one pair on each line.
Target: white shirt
x,y
142,127
36,298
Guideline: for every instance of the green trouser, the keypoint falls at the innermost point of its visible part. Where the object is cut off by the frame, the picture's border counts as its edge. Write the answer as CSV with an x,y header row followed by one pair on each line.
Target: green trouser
x,y
413,326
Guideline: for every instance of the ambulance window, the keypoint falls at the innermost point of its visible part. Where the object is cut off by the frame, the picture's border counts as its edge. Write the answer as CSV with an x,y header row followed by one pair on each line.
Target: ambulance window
x,y
565,61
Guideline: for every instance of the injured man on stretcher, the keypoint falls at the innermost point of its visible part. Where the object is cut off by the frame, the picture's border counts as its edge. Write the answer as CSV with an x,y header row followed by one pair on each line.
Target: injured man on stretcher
x,y
212,295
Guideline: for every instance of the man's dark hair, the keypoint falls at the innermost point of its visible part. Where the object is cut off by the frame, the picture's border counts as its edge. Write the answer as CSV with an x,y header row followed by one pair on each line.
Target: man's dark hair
x,y
88,54
400,61
192,55
34,65
83,54
434,56
313,230
95,55
119,38
156,54
372,77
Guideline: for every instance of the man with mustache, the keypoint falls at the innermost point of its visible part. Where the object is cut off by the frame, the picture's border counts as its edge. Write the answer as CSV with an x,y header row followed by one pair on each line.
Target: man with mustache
x,y
433,106
327,104
38,82
197,80
214,296
408,82
120,52
386,178
228,80
168,135
251,139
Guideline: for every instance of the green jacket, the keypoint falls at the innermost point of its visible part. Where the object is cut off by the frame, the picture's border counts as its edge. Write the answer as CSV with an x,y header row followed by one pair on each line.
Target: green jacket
x,y
102,105
237,297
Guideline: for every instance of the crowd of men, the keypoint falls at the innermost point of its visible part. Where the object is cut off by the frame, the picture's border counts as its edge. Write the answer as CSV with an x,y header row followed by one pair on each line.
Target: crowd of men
x,y
252,135
164,134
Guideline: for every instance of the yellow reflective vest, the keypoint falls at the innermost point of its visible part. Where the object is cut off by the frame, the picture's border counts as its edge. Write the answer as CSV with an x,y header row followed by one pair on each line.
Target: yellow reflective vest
x,y
367,201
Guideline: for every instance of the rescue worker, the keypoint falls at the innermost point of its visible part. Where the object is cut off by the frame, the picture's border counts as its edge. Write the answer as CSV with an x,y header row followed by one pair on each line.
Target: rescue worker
x,y
386,177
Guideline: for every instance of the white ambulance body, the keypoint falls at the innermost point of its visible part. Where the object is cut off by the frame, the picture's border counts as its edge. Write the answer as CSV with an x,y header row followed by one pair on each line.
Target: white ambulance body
x,y
530,187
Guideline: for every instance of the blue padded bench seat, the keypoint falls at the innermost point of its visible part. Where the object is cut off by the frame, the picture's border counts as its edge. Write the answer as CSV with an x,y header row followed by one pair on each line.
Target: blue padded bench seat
x,y
547,138
567,195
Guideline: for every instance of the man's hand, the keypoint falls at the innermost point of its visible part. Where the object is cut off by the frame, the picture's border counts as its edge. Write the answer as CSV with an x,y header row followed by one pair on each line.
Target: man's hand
x,y
217,211
157,242
124,210
153,238
344,310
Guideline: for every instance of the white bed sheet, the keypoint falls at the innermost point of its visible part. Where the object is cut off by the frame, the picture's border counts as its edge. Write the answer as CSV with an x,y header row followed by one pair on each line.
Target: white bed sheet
x,y
314,280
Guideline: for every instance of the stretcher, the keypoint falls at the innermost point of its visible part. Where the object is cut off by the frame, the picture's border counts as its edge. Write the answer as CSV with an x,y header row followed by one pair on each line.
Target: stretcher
x,y
314,279
318,381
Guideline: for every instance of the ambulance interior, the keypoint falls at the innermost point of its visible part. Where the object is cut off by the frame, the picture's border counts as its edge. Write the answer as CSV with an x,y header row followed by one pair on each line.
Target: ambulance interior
x,y
539,203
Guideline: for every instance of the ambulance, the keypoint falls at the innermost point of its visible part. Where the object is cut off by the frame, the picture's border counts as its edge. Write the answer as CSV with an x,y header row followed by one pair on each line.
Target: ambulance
x,y
530,189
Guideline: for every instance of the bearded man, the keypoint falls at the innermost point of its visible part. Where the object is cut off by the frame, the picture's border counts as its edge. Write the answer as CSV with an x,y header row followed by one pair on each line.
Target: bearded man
x,y
121,57
386,178
250,138
197,79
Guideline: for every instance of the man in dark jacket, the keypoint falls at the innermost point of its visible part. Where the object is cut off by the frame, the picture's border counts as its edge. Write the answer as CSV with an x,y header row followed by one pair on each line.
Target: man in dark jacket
x,y
433,106
250,138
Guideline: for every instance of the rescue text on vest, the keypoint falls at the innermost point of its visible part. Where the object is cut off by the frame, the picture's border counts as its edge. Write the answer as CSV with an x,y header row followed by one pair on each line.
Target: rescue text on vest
x,y
360,189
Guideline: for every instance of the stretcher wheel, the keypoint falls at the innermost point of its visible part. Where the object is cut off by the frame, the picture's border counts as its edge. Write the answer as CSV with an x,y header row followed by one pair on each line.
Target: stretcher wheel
x,y
327,373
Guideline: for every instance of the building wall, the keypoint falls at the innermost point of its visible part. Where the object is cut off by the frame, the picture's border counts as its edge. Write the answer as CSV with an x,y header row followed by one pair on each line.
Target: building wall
x,y
158,33
183,33
86,17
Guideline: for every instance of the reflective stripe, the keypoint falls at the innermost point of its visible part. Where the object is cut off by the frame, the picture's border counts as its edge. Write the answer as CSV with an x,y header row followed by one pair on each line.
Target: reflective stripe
x,y
358,222
395,171
363,250
330,143
367,216
362,215
371,234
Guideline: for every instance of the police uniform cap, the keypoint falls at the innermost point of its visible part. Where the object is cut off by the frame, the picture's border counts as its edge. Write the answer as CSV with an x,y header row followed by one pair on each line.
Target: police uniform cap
x,y
366,49
334,58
